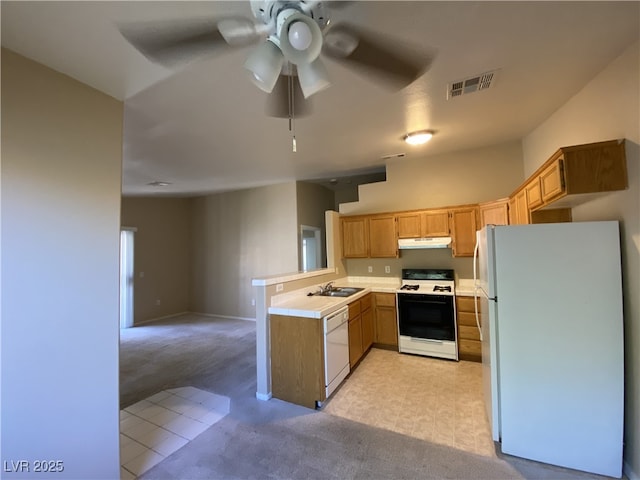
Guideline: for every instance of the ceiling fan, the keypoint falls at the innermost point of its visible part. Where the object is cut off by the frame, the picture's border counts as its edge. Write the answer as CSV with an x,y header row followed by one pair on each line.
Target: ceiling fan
x,y
290,35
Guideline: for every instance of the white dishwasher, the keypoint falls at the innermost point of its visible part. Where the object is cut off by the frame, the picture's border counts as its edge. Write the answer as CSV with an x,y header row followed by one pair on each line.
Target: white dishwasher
x,y
336,349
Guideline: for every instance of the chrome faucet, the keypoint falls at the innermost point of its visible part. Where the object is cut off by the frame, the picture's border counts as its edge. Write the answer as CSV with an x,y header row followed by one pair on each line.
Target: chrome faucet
x,y
326,288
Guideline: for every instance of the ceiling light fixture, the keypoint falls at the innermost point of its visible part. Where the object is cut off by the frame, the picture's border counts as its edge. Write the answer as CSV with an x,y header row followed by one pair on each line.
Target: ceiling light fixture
x,y
159,184
418,138
265,62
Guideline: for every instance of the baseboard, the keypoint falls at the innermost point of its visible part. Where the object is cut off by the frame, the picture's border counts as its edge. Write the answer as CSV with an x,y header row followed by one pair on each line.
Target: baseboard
x,y
631,475
230,317
137,324
263,396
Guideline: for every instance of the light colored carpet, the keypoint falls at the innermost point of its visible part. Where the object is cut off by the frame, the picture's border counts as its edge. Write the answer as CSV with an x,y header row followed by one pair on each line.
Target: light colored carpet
x,y
275,439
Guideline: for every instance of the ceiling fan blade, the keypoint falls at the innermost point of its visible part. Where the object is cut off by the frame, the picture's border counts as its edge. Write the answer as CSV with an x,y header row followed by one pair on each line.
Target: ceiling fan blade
x,y
177,42
393,63
278,103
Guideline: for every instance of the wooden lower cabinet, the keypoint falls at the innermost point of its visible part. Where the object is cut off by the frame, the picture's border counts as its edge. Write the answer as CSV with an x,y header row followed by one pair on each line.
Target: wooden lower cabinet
x,y
469,346
297,359
355,340
360,329
385,323
367,326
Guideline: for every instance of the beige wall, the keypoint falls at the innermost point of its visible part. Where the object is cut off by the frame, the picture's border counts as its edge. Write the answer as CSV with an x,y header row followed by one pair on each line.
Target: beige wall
x,y
237,236
457,178
469,176
61,177
161,255
609,108
312,201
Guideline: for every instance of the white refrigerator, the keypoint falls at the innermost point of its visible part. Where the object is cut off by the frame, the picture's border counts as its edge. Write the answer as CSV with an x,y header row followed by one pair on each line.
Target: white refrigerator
x,y
552,342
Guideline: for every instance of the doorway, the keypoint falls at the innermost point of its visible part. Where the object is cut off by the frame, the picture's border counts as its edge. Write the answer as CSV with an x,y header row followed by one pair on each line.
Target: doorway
x,y
311,257
126,277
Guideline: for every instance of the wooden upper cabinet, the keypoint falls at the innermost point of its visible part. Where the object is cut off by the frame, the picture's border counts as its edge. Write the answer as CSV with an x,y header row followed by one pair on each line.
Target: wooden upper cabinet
x,y
369,236
383,240
427,223
409,225
355,237
463,231
435,223
519,214
513,211
494,213
534,193
571,171
552,181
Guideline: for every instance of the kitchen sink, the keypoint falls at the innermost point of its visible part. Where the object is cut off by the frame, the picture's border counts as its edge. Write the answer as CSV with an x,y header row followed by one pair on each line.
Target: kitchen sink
x,y
340,292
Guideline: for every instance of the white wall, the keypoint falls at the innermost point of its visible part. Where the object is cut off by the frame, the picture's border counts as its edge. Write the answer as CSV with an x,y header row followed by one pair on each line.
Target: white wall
x,y
609,108
61,175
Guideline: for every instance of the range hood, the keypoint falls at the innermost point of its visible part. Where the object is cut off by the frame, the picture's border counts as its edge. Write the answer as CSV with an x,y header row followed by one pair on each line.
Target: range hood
x,y
432,242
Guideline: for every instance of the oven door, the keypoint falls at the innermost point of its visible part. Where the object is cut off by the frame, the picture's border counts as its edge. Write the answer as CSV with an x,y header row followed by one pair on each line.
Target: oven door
x,y
426,316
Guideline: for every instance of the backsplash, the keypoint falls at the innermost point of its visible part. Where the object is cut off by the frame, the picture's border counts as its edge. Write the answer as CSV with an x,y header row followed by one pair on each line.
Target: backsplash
x,y
429,258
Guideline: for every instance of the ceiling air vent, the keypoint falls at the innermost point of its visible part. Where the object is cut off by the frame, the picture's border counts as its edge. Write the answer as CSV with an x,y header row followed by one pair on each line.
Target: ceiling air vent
x,y
471,84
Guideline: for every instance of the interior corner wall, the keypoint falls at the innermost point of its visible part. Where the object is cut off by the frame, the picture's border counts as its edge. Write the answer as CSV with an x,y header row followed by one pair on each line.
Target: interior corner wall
x,y
235,237
60,199
161,255
608,108
457,178
313,201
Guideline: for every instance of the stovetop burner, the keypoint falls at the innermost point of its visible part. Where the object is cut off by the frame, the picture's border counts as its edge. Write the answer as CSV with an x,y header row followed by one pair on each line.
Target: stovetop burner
x,y
426,281
439,288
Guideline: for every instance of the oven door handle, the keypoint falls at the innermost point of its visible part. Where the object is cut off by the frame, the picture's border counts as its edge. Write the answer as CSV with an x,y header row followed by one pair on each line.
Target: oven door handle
x,y
426,340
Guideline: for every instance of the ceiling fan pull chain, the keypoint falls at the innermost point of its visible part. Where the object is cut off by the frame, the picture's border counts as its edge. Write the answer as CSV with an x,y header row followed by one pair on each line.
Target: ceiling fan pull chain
x,y
292,125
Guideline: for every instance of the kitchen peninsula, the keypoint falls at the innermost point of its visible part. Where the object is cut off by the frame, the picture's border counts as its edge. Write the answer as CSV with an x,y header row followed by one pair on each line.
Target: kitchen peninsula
x,y
300,351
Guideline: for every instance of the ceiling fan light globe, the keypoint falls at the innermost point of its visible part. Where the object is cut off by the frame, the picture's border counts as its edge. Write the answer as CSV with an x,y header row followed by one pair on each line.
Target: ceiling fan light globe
x,y
300,36
265,64
313,78
301,25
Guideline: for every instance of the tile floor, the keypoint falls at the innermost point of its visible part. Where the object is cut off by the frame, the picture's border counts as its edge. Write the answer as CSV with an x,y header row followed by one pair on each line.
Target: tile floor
x,y
432,399
154,428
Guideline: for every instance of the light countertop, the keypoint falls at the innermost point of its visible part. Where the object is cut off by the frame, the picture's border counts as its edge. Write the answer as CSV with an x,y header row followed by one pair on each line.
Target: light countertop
x,y
299,304
464,287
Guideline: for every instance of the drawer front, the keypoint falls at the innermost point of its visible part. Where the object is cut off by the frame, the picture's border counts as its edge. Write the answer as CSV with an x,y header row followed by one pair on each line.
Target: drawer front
x,y
470,347
468,333
354,309
467,318
465,304
365,302
385,299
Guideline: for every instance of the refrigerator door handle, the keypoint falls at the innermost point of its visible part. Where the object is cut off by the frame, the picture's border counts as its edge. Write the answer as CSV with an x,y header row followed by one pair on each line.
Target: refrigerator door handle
x,y
475,284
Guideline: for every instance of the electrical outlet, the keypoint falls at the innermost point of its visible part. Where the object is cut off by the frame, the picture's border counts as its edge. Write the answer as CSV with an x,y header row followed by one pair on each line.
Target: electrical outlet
x,y
279,287
369,269
387,269
253,302
158,301
141,274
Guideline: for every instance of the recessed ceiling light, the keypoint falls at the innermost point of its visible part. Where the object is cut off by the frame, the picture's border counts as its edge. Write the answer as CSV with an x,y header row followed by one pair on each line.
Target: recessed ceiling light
x,y
418,138
159,184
